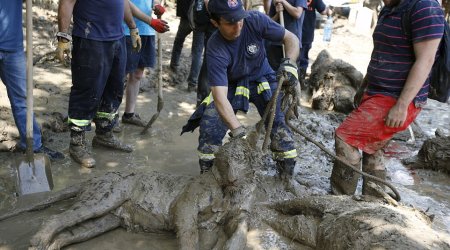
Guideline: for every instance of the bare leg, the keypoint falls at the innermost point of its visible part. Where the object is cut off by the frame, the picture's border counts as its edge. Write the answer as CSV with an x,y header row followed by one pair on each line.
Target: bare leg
x,y
85,231
343,179
132,90
373,165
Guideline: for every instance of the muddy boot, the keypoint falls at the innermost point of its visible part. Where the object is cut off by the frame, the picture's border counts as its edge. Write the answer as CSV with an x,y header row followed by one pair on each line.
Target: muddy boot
x,y
79,151
285,168
205,165
373,165
343,179
107,139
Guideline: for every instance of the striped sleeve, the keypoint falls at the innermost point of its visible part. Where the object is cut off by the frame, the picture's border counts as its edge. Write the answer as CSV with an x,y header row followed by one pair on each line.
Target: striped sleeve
x,y
427,21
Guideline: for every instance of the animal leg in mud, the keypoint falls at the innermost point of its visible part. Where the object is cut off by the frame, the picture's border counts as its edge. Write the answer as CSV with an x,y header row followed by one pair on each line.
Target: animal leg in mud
x,y
298,227
237,230
64,194
186,223
85,231
77,214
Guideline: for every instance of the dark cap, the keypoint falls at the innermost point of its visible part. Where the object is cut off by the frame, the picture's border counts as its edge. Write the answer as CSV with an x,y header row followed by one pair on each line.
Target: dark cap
x,y
230,10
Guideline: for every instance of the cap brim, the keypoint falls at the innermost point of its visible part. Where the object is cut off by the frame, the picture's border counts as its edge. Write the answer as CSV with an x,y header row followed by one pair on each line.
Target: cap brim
x,y
236,16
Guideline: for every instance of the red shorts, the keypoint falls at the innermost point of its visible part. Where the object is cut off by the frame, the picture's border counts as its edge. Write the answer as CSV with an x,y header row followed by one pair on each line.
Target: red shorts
x,y
365,128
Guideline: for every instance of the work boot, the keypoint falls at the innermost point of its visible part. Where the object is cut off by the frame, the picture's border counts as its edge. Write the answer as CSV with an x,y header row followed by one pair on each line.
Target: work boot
x,y
78,149
52,154
108,140
205,165
343,179
373,165
133,118
285,168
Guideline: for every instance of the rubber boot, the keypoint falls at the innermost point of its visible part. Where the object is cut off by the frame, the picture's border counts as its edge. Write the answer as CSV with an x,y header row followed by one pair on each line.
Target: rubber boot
x,y
286,168
109,140
373,165
205,165
343,179
79,151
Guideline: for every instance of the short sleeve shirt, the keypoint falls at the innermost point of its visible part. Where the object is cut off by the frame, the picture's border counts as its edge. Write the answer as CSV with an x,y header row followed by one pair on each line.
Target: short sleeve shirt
x,y
393,53
292,24
99,20
144,29
309,24
11,35
229,62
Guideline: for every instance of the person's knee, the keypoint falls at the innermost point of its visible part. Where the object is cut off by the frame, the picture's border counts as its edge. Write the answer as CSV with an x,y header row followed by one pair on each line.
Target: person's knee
x,y
350,153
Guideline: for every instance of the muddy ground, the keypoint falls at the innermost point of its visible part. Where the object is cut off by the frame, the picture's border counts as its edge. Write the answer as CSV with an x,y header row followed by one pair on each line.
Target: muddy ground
x,y
164,150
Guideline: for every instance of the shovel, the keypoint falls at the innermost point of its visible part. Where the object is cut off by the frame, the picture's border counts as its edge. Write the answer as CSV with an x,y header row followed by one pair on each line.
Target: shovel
x,y
33,172
160,104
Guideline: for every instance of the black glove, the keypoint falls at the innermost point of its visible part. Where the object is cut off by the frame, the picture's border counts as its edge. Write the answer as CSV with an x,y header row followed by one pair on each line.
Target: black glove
x,y
288,71
239,132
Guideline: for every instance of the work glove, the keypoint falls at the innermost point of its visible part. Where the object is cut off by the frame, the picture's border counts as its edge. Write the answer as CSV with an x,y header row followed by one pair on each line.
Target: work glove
x,y
159,25
287,75
288,71
136,42
62,50
159,10
239,132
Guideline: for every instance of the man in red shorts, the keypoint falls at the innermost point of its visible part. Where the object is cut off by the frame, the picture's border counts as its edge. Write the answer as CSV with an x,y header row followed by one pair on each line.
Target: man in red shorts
x,y
395,89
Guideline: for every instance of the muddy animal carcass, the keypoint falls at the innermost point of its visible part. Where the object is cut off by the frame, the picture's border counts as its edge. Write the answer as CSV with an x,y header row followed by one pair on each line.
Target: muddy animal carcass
x,y
333,83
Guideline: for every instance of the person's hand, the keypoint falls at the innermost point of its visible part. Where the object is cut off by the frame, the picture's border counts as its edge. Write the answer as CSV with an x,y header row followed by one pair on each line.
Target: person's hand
x,y
159,10
396,116
136,42
279,6
159,25
62,50
288,72
239,132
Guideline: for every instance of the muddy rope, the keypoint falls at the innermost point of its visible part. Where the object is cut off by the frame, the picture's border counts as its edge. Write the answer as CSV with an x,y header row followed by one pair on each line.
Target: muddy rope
x,y
271,108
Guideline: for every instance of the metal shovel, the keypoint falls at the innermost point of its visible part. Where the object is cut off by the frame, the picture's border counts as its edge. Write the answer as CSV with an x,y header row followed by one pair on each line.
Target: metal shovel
x,y
33,173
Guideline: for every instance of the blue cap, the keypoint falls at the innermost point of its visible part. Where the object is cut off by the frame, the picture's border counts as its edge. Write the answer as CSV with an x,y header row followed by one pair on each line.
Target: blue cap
x,y
230,10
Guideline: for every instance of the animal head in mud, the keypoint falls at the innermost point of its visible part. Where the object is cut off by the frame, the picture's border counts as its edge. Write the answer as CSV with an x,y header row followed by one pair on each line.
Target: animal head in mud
x,y
232,165
334,83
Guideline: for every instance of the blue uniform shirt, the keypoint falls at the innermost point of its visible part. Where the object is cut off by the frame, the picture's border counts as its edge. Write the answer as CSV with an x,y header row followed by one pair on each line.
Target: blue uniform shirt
x,y
230,62
393,54
11,35
309,24
292,24
144,29
99,20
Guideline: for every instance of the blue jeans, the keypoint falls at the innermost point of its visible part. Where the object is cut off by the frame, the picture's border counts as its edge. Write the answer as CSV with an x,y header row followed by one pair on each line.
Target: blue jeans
x,y
98,71
13,75
304,55
196,51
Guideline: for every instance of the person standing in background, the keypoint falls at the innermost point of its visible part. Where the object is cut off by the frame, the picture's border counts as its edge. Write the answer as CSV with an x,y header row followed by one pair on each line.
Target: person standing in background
x,y
13,75
184,29
309,25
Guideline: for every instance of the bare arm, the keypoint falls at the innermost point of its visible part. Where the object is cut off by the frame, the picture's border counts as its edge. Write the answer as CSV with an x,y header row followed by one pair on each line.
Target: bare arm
x,y
136,12
327,11
128,16
224,107
291,45
65,11
425,53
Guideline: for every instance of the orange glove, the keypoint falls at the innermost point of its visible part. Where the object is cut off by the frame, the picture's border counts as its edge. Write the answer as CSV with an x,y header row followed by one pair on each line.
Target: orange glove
x,y
159,25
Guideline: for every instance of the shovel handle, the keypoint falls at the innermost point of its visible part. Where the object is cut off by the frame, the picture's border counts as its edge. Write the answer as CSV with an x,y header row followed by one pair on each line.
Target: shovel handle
x,y
29,53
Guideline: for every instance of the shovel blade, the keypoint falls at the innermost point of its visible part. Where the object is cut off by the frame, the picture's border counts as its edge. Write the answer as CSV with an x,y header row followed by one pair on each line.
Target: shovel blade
x,y
34,176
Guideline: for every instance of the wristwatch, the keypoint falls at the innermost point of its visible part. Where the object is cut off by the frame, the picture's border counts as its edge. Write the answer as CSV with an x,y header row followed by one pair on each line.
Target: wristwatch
x,y
64,35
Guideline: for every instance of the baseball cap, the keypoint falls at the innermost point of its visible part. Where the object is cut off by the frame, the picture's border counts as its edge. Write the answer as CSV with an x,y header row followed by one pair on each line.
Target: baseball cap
x,y
230,10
